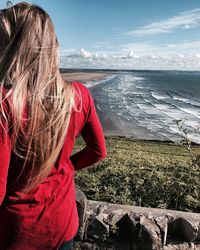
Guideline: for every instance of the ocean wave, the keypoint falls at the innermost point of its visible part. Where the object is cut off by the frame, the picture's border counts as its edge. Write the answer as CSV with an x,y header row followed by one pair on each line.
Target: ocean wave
x,y
191,111
90,84
138,100
185,100
158,96
139,78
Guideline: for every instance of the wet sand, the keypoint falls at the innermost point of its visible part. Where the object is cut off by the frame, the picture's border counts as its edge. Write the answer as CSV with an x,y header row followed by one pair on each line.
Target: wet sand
x,y
109,126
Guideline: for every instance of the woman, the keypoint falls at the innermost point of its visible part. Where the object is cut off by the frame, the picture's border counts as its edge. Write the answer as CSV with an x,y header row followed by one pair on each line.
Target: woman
x,y
41,115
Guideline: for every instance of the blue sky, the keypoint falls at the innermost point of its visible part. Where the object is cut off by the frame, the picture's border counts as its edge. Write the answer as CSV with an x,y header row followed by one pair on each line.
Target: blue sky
x,y
126,34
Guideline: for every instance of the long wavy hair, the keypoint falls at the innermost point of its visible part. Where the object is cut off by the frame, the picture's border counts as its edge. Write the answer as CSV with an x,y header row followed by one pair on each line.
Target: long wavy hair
x,y
41,101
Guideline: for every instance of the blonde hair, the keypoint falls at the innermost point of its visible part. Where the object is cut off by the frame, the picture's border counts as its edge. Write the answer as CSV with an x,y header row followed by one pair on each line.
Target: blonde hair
x,y
41,100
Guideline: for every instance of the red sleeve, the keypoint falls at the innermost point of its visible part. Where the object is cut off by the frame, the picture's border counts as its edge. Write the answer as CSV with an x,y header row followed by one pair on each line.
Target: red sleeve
x,y
93,136
5,152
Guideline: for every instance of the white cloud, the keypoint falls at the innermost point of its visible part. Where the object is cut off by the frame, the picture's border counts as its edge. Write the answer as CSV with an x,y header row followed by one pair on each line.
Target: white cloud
x,y
184,20
161,58
162,50
131,54
85,54
82,53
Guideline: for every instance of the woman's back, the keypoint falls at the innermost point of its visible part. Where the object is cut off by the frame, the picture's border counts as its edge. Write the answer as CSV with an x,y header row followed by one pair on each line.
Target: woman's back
x,y
46,216
40,117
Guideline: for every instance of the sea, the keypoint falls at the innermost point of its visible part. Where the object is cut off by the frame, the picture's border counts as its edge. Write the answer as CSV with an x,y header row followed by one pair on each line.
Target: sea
x,y
151,105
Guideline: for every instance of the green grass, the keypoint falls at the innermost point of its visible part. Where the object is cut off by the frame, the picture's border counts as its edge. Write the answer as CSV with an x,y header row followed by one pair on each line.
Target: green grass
x,y
150,174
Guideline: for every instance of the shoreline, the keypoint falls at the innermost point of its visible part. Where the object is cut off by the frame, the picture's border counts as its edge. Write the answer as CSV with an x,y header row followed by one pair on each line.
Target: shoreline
x,y
110,126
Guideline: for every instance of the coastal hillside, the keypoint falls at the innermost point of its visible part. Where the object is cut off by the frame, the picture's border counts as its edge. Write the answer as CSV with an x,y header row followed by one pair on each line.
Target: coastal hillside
x,y
143,173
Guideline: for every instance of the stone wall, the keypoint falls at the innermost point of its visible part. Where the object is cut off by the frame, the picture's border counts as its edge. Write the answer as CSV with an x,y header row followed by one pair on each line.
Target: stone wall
x,y
105,226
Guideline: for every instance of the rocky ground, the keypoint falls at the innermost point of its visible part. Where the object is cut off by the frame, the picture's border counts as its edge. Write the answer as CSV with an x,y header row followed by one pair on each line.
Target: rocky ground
x,y
105,226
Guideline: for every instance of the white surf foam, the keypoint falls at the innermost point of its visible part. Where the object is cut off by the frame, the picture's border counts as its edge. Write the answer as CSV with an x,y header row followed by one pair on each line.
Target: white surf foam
x,y
90,84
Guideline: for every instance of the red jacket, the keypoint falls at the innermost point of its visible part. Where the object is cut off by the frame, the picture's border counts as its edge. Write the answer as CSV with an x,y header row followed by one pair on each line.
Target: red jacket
x,y
48,215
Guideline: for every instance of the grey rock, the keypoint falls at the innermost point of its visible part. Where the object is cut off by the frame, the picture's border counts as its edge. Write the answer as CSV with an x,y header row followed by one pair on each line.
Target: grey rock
x,y
97,228
182,246
139,233
88,246
85,246
114,216
150,234
126,227
105,226
81,202
162,223
76,246
185,229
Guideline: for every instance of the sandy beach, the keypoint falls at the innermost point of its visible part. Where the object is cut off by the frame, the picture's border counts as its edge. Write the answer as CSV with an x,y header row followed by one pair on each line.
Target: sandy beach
x,y
109,127
84,76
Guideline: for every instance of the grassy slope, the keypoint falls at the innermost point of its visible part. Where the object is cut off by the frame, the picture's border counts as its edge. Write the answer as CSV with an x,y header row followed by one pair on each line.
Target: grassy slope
x,y
151,174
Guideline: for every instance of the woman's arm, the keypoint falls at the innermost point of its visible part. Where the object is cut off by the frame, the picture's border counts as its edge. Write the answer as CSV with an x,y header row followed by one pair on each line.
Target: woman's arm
x,y
93,136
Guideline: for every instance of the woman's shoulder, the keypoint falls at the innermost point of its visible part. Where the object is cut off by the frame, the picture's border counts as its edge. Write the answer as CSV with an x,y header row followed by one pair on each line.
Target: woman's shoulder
x,y
82,105
82,94
80,86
